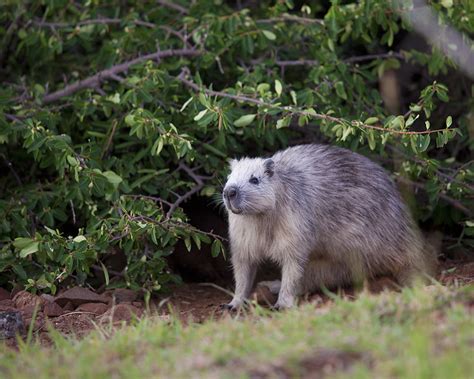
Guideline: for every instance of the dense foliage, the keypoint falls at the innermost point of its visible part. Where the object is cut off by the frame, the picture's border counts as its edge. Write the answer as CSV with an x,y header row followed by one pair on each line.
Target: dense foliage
x,y
113,114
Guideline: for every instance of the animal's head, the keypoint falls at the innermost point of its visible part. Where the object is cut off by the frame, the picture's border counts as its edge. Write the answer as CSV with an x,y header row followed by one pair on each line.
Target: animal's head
x,y
251,186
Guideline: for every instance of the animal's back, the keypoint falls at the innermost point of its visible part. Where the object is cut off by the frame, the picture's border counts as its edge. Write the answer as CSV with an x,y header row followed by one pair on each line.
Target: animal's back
x,y
358,214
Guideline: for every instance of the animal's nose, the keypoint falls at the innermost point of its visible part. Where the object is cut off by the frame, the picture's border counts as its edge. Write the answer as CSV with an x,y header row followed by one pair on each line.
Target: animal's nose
x,y
230,192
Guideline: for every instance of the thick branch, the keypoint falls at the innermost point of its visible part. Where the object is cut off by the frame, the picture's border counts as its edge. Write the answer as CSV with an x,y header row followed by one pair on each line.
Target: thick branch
x,y
320,116
110,73
173,5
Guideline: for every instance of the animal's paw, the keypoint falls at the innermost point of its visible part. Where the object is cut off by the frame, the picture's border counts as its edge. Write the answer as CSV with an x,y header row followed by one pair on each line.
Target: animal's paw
x,y
282,305
228,307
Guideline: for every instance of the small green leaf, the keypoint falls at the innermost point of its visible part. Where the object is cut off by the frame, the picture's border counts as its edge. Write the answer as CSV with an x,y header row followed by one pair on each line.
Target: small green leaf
x,y
270,35
200,115
112,177
340,90
216,248
449,121
187,242
29,249
21,242
278,87
371,120
186,104
106,273
79,238
244,120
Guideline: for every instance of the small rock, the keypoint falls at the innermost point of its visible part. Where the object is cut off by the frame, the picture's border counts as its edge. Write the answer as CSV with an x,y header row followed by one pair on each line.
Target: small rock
x,y
7,303
11,323
122,312
4,306
4,294
69,307
25,299
28,311
78,296
96,308
39,322
52,310
47,297
124,295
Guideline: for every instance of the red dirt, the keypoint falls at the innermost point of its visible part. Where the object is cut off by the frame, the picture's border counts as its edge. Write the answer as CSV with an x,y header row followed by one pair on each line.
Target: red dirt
x,y
191,302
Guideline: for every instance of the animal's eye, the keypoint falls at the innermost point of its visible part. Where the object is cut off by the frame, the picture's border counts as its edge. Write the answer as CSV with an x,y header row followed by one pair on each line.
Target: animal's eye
x,y
253,180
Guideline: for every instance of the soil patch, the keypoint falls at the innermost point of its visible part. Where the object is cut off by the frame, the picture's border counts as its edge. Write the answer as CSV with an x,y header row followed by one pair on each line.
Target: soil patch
x,y
77,311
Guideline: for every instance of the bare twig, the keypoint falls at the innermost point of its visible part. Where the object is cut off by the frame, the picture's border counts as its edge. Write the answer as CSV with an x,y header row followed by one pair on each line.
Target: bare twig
x,y
182,78
173,5
199,184
110,73
369,57
12,169
101,21
73,212
287,17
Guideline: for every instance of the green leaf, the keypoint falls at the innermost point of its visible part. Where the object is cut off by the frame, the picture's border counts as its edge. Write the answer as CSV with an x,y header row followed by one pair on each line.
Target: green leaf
x,y
245,120
278,87
270,35
112,177
216,248
29,249
200,115
449,121
186,104
21,242
106,274
371,120
340,90
79,238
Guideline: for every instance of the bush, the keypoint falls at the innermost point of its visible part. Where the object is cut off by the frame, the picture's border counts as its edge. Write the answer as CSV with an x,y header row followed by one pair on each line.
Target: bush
x,y
113,115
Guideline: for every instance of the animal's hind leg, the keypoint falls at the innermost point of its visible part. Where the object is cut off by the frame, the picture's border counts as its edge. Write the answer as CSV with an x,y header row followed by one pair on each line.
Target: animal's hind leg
x,y
328,274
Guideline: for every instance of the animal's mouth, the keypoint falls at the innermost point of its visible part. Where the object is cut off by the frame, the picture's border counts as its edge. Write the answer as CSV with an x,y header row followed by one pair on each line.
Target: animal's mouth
x,y
236,211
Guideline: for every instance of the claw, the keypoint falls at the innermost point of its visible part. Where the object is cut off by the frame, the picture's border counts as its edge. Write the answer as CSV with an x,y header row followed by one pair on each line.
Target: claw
x,y
227,307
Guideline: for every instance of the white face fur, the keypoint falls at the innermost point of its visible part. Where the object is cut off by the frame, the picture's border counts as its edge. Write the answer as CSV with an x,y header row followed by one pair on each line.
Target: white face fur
x,y
250,187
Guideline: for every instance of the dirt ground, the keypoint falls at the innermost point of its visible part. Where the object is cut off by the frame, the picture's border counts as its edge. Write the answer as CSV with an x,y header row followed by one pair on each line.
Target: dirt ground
x,y
191,302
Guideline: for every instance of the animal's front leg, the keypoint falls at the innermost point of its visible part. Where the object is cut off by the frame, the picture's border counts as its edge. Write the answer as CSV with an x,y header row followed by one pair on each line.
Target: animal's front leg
x,y
291,281
244,274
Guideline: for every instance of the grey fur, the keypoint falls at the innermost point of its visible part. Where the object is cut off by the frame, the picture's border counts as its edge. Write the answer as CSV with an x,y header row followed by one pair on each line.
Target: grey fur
x,y
328,216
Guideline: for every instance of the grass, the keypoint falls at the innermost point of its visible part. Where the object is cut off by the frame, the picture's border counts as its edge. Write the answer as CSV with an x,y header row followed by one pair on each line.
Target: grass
x,y
418,333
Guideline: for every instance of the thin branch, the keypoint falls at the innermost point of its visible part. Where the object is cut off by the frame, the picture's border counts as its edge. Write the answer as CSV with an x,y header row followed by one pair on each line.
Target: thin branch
x,y
299,62
12,169
71,204
102,21
287,17
199,184
369,57
320,116
173,5
110,73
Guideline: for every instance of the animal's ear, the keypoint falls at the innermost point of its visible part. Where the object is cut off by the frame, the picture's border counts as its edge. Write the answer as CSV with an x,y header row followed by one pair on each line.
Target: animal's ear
x,y
232,163
269,167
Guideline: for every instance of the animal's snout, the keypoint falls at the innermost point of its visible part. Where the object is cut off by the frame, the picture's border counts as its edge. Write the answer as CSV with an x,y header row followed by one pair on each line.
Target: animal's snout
x,y
231,192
